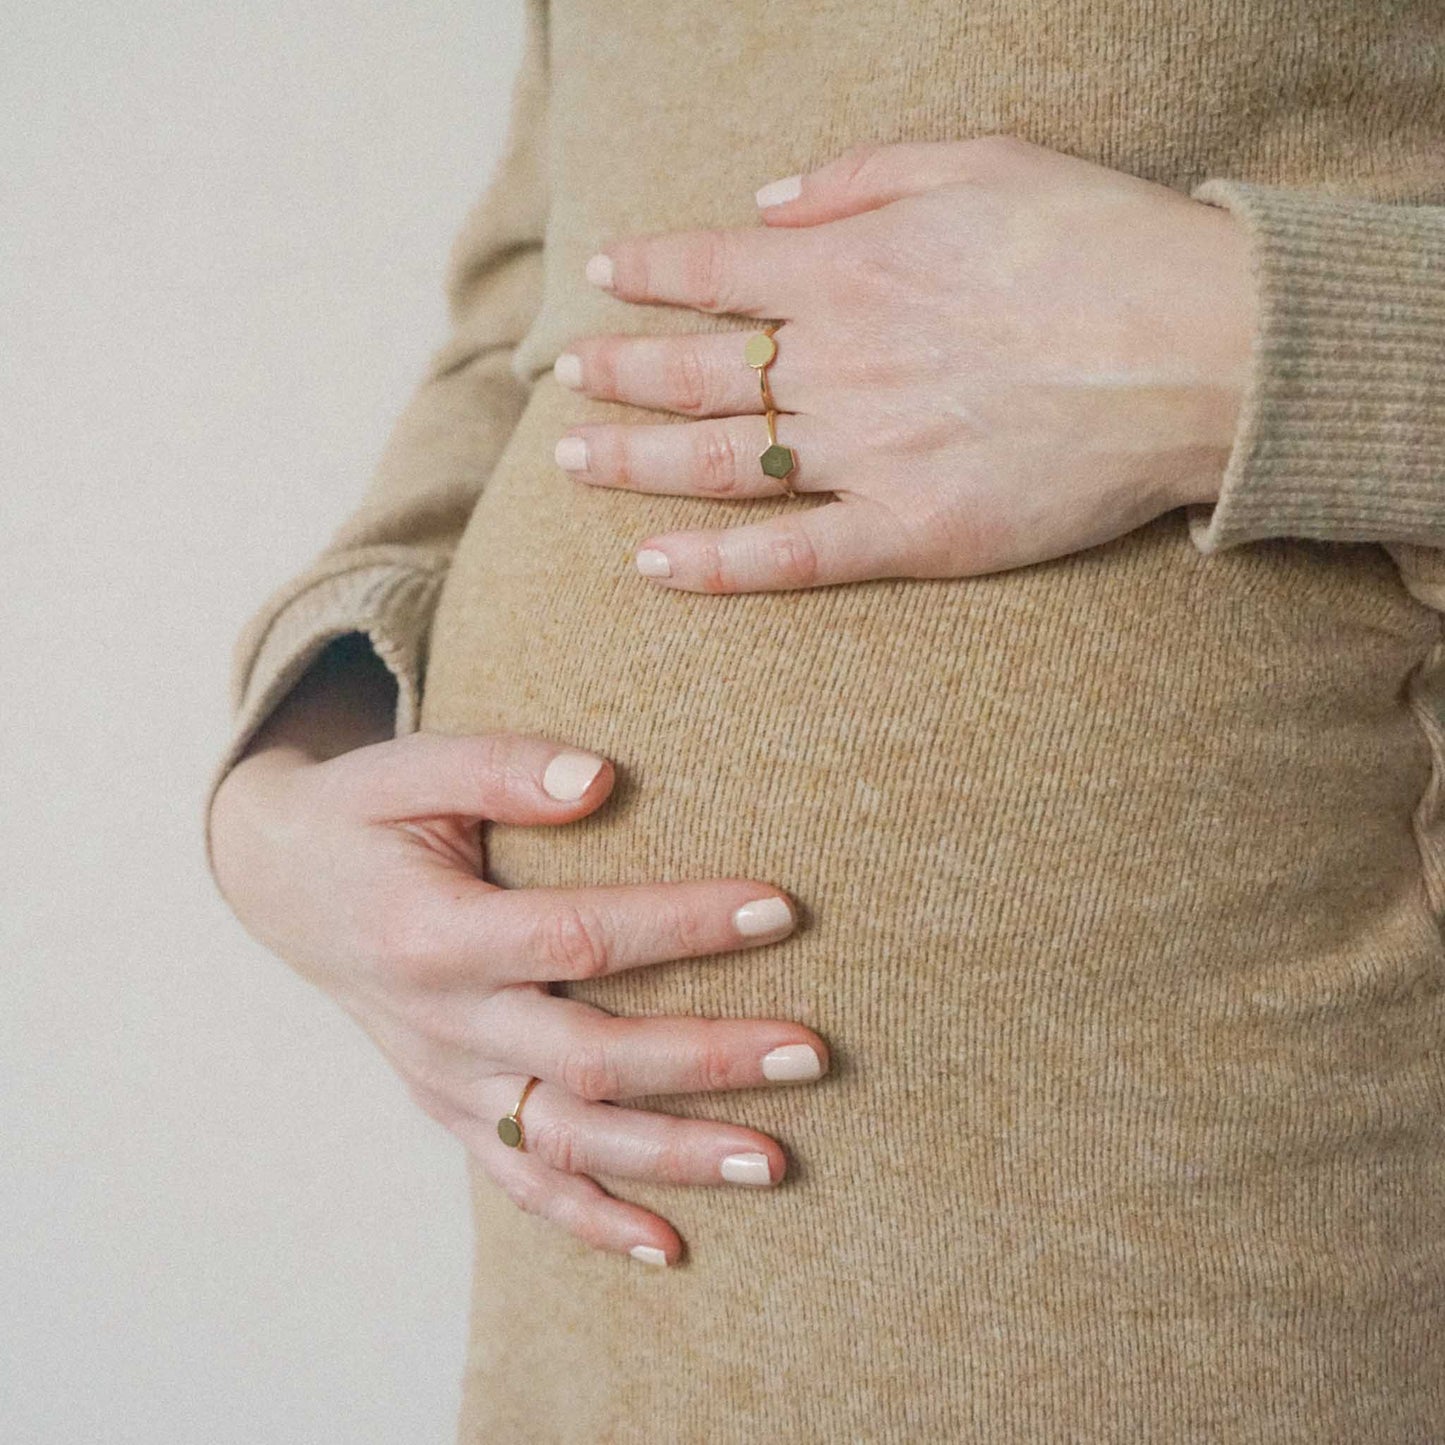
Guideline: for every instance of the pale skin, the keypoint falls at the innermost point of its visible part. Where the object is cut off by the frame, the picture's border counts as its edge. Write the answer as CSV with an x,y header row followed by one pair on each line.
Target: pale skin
x,y
990,355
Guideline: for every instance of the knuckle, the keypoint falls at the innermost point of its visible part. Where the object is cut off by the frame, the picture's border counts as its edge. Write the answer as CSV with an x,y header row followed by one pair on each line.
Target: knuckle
x,y
590,1072
572,943
857,164
426,1077
688,382
715,461
670,1156
581,1218
692,932
706,267
997,149
881,271
632,260
436,1018
528,1191
555,1142
602,366
716,1067
793,558
714,575
618,460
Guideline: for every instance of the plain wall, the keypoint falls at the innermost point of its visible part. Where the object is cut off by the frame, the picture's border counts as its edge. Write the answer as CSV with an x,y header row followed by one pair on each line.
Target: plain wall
x,y
223,232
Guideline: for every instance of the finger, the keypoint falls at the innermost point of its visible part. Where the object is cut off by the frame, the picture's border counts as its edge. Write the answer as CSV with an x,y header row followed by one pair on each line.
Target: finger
x,y
574,1203
509,777
852,539
717,458
696,374
473,932
605,1057
750,272
578,1136
865,177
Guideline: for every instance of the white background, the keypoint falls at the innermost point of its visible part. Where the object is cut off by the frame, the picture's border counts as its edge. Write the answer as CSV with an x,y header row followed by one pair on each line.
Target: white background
x,y
223,232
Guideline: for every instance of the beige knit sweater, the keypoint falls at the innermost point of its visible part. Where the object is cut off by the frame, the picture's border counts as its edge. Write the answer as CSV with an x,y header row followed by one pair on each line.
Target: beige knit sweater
x,y
1123,875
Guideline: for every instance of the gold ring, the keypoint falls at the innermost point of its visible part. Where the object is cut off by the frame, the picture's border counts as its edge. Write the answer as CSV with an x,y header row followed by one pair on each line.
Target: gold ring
x,y
509,1126
776,460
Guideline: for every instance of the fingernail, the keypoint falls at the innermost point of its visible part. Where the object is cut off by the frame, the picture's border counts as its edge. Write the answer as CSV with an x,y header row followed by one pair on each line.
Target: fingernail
x,y
646,1254
652,563
776,192
746,1169
569,775
599,270
571,454
793,1061
763,915
568,369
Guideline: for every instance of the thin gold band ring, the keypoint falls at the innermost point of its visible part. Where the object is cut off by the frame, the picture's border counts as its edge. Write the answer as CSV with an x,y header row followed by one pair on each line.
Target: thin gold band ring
x,y
777,461
509,1126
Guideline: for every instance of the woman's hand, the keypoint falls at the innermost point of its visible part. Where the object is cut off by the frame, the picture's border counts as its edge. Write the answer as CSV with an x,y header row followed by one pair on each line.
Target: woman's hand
x,y
991,353
362,871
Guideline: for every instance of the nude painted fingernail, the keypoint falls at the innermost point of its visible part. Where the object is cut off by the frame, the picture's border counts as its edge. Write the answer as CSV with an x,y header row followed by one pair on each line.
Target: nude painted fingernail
x,y
746,1169
652,563
776,192
792,1061
571,454
569,775
646,1254
599,270
568,369
763,915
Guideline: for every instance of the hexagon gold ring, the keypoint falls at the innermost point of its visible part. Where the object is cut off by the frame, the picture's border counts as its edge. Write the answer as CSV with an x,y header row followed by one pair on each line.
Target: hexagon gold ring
x,y
776,460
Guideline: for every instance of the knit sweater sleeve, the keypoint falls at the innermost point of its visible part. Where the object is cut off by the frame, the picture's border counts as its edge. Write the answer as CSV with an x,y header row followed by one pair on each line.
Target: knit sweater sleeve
x,y
1341,436
381,572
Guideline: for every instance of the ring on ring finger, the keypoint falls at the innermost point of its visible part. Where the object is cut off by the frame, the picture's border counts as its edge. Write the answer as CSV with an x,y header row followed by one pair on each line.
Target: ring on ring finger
x,y
579,1136
718,457
509,1127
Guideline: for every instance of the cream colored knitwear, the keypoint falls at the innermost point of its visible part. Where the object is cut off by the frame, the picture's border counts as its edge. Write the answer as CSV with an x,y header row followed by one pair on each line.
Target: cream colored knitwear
x,y
1123,876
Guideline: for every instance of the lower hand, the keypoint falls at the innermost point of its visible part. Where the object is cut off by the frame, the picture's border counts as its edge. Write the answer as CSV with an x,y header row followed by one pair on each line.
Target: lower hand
x,y
362,871
990,353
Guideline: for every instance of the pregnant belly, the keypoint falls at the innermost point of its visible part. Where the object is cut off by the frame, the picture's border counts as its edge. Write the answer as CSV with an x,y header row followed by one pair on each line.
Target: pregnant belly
x,y
1112,916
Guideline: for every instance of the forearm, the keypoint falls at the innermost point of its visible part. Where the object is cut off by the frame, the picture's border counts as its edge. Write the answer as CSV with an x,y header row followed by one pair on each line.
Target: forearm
x,y
345,699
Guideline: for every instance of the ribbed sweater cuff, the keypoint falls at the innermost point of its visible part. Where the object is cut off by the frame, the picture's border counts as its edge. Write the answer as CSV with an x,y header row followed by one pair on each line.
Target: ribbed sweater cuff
x,y
390,602
1342,432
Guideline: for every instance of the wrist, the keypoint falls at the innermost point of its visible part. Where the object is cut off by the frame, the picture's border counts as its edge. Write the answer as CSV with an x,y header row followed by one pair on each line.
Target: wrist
x,y
1215,333
1223,329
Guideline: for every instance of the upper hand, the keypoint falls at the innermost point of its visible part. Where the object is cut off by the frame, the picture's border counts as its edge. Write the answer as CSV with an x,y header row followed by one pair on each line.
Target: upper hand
x,y
990,353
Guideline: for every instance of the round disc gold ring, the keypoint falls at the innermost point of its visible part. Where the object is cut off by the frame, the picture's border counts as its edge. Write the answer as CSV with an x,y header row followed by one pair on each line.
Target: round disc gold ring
x,y
509,1126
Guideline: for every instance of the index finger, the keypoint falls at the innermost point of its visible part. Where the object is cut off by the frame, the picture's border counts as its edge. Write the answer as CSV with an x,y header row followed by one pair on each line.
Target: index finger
x,y
754,272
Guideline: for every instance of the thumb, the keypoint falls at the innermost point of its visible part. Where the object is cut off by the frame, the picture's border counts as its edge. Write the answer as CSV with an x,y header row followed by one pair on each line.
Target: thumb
x,y
501,776
867,176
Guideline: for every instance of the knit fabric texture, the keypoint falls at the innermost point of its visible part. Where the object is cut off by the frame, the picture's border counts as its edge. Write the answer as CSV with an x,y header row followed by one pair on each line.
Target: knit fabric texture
x,y
1122,876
